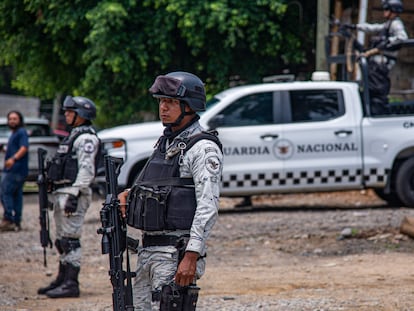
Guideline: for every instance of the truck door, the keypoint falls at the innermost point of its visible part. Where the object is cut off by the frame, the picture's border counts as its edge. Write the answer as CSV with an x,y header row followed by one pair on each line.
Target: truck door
x,y
320,145
248,128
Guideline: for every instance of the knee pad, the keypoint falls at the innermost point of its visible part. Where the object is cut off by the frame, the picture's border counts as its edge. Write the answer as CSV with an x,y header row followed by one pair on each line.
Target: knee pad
x,y
69,244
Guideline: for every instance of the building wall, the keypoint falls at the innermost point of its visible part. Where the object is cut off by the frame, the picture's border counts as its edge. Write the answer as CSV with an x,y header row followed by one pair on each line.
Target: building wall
x,y
28,106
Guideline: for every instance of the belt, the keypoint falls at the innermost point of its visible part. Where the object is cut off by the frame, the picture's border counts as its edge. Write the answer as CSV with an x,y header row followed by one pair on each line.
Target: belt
x,y
159,240
165,240
62,185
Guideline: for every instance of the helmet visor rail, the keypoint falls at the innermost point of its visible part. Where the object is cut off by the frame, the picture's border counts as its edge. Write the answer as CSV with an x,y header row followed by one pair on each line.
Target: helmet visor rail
x,y
168,86
69,103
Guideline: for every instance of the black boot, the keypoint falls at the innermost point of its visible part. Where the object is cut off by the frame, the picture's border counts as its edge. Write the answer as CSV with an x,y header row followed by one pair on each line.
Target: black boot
x,y
69,287
59,280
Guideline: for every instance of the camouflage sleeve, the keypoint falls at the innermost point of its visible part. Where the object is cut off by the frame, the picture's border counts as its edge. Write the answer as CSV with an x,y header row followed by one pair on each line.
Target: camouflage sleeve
x,y
86,146
204,162
370,28
397,31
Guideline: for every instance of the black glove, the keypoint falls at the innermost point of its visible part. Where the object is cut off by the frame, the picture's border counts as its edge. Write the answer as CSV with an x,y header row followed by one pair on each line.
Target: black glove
x,y
383,45
349,26
71,204
344,29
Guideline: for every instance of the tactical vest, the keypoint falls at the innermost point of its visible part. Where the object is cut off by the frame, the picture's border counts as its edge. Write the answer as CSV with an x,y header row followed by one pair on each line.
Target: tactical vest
x,y
382,36
160,199
63,168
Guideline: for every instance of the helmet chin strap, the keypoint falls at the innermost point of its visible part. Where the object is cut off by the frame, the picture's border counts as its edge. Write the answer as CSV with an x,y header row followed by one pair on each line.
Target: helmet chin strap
x,y
74,119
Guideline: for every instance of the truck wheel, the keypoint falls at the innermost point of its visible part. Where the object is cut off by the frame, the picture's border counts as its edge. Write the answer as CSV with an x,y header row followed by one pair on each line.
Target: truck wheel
x,y
404,182
392,199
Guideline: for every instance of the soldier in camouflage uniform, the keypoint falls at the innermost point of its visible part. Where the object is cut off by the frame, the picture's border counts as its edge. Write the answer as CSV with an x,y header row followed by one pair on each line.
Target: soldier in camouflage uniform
x,y
175,200
71,172
390,31
380,64
381,56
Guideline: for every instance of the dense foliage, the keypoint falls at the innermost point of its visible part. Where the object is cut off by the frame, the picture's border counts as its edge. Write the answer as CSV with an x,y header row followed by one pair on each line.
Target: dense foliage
x,y
111,50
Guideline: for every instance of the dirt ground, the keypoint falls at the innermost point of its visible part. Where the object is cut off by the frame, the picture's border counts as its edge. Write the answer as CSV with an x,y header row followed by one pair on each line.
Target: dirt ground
x,y
286,253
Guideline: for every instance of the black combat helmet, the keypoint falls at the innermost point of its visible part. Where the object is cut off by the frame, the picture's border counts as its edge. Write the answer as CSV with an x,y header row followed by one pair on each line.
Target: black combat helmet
x,y
395,6
183,86
83,106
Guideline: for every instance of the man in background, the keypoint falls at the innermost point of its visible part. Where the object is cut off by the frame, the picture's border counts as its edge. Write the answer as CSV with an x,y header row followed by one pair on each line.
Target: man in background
x,y
14,173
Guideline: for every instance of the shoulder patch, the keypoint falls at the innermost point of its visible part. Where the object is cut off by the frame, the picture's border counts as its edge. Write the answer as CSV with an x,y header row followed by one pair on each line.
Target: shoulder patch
x,y
89,147
213,164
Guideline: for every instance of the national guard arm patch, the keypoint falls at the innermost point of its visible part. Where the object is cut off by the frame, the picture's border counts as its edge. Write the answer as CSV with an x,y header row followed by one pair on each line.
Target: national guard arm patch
x,y
213,164
89,147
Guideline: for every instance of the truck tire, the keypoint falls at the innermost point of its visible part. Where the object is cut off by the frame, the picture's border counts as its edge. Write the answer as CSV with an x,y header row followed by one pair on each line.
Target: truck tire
x,y
404,183
392,199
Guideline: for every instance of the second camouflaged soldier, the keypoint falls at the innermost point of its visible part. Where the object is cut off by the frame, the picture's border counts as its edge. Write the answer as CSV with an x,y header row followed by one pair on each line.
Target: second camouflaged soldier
x,y
71,172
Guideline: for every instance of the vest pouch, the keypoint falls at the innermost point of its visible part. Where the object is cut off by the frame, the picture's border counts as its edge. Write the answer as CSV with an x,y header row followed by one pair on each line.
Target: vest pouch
x,y
181,208
55,169
70,170
147,207
134,209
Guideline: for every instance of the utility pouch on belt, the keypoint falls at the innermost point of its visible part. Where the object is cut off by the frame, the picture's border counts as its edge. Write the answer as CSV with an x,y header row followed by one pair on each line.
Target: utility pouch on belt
x,y
190,298
171,299
148,207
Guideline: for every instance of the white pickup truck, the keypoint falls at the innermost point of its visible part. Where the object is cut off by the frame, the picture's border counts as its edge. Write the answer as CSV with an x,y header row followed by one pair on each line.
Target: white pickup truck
x,y
293,137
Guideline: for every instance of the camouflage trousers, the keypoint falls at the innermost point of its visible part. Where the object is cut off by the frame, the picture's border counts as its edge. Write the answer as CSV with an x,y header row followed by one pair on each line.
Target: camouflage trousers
x,y
70,226
156,267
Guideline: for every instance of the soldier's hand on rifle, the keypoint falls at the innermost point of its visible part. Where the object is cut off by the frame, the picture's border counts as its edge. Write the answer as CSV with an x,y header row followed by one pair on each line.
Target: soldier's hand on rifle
x,y
349,26
71,204
383,45
344,30
122,197
186,269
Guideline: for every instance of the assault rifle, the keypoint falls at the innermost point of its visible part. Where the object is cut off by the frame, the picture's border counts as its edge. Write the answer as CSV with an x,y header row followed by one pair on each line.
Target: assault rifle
x,y
43,204
114,238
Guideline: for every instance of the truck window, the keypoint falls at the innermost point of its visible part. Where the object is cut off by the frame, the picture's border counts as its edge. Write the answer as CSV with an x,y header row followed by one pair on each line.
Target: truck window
x,y
316,105
254,109
37,130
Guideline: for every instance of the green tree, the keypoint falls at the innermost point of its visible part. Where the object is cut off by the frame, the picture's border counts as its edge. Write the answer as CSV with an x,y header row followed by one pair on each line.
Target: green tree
x,y
111,51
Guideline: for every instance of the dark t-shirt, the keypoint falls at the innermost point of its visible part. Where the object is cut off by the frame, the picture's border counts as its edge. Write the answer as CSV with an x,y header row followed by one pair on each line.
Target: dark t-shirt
x,y
17,139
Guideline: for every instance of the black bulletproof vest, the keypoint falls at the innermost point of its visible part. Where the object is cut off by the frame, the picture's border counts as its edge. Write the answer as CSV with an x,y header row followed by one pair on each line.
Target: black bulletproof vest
x,y
63,168
160,199
382,36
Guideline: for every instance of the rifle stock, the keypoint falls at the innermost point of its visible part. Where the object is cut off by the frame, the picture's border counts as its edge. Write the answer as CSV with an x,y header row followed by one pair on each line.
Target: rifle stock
x,y
114,238
45,240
